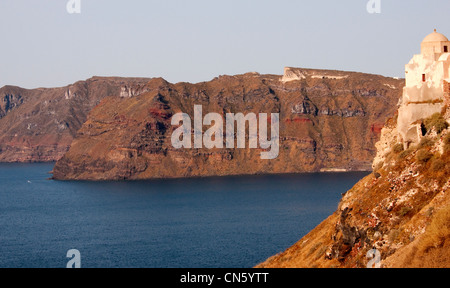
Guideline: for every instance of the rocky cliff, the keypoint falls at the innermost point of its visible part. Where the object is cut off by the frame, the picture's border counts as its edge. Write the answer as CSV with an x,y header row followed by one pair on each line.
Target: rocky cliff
x,y
38,125
402,210
328,120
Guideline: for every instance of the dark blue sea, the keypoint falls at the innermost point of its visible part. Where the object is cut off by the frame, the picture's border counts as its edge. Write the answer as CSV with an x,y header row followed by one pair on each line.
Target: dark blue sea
x,y
231,222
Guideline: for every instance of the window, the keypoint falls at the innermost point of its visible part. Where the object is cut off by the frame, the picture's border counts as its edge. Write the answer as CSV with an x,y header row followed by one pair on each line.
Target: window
x,y
423,129
424,78
445,49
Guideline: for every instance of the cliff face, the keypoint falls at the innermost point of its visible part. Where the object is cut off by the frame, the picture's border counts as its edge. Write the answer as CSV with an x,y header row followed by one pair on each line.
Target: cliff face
x,y
402,210
38,125
328,120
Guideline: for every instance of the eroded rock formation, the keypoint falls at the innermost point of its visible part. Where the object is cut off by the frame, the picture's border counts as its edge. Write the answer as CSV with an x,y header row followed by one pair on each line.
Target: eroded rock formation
x,y
328,121
38,125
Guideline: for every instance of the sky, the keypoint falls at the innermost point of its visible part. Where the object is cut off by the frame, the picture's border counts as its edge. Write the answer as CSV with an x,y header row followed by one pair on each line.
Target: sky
x,y
196,40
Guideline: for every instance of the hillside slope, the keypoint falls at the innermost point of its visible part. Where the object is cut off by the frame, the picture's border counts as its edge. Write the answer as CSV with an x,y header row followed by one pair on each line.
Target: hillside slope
x,y
38,125
402,210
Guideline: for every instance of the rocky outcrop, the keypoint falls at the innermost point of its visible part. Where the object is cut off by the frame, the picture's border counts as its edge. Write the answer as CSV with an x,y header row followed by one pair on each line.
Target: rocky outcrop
x,y
10,98
295,74
327,121
292,74
400,214
130,91
38,125
401,211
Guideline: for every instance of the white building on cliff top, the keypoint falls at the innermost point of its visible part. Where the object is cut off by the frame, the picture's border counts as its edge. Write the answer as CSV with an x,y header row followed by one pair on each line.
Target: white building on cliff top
x,y
427,86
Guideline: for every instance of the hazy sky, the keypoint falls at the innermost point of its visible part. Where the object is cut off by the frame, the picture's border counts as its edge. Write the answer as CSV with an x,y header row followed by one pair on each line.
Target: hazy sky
x,y
196,40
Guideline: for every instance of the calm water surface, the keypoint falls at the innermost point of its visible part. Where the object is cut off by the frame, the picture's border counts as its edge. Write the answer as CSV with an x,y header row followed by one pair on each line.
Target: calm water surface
x,y
232,222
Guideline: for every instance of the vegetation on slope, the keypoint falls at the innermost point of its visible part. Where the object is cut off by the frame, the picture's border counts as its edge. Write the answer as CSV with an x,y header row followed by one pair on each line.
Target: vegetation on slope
x,y
402,210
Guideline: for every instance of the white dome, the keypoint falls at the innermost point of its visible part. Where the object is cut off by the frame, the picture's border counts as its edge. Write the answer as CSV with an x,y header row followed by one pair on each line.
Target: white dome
x,y
435,37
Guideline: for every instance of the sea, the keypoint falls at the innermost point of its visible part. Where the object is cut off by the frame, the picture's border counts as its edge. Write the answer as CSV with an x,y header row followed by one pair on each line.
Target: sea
x,y
218,222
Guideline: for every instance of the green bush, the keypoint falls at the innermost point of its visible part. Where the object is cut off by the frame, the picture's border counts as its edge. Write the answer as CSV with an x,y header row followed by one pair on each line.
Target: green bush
x,y
437,121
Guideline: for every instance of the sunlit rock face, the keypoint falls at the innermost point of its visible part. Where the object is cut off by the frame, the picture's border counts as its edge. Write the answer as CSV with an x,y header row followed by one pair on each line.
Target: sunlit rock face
x,y
328,121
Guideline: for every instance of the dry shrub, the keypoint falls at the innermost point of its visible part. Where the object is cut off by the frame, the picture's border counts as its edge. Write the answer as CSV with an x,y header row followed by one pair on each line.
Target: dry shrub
x,y
447,139
423,156
436,121
426,143
437,165
435,245
447,143
439,230
405,153
398,148
404,211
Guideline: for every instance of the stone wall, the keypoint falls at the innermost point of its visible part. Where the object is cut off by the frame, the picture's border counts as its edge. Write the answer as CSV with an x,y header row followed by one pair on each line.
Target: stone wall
x,y
446,93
